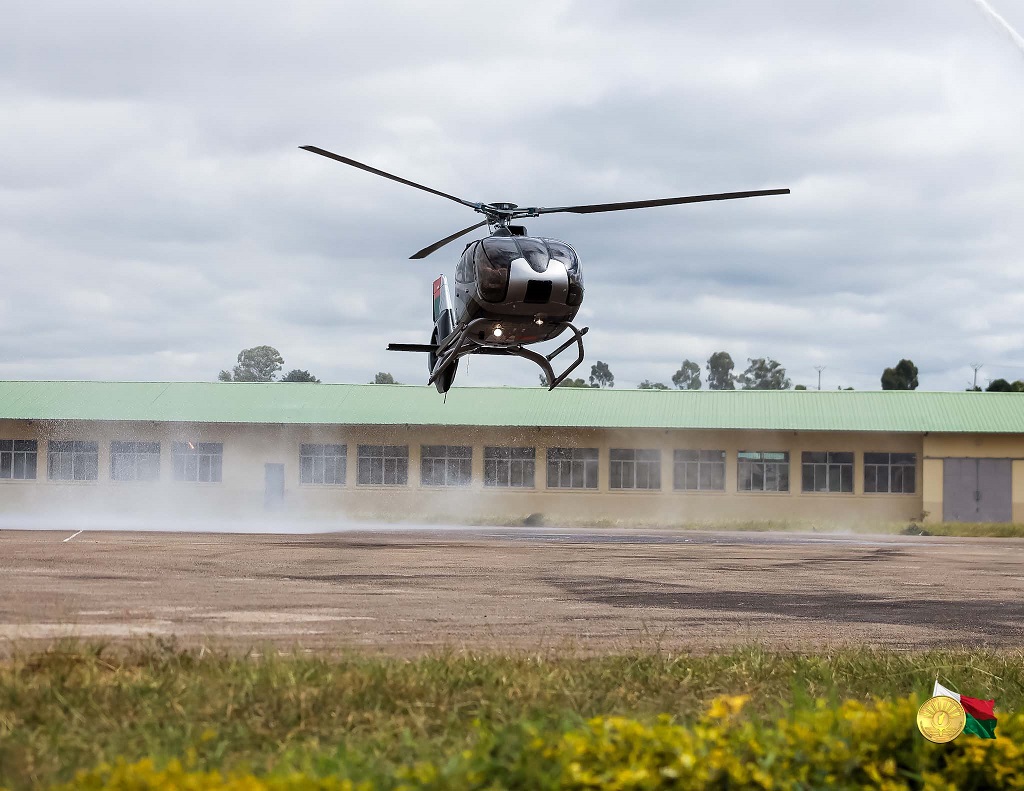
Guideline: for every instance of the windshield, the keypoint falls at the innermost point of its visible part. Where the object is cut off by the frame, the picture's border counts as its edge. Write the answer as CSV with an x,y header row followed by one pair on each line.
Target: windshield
x,y
534,251
560,251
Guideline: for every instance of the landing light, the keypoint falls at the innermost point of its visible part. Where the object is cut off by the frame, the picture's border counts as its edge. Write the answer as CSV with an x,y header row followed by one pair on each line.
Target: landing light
x,y
497,332
539,322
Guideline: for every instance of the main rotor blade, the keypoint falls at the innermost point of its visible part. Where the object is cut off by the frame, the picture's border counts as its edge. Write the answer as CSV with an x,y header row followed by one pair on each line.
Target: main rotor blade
x,y
375,171
644,204
438,245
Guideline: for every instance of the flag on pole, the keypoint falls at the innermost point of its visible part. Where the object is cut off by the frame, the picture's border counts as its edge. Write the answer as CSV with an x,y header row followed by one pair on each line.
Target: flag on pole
x,y
981,719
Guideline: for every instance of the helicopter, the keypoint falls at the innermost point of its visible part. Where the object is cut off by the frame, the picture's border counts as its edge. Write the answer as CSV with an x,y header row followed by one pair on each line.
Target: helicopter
x,y
511,289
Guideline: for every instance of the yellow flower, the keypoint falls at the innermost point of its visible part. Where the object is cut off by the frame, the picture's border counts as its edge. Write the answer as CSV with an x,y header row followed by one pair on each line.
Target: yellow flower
x,y
726,706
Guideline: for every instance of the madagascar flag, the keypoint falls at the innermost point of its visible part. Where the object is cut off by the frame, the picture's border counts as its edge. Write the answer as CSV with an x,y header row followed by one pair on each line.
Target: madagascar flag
x,y
981,721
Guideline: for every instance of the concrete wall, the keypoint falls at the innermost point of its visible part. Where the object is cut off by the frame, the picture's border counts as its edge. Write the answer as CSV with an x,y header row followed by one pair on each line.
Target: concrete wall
x,y
248,447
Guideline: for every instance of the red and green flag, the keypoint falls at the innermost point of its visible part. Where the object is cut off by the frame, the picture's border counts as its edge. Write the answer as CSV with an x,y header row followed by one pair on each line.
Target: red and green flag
x,y
981,719
437,297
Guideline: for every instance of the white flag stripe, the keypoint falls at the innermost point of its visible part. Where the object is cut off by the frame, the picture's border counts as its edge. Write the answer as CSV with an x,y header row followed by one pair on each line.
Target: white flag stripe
x,y
941,690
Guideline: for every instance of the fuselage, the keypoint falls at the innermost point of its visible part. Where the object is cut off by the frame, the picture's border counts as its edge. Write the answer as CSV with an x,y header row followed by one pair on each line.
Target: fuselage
x,y
525,287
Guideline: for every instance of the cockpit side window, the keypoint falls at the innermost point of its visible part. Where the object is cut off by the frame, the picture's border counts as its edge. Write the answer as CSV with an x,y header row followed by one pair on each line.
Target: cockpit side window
x,y
562,252
493,266
465,272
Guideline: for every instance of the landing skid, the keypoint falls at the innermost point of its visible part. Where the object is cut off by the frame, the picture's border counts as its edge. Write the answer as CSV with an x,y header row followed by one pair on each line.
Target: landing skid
x,y
461,343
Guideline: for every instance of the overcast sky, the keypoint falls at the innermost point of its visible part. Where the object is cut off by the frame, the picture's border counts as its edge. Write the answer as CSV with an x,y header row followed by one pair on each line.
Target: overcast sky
x,y
157,216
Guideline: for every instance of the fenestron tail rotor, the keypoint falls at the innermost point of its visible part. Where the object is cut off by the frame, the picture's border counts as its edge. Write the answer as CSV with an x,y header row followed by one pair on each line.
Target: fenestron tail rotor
x,y
501,214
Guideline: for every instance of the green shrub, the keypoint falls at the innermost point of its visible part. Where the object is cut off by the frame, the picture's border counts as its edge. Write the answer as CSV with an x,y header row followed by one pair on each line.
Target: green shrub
x,y
850,746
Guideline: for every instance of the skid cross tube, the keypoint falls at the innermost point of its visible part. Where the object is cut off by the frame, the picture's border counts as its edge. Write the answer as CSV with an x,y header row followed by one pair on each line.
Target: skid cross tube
x,y
461,344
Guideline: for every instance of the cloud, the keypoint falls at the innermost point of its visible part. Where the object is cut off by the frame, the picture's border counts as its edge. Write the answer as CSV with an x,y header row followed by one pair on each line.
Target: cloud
x,y
156,215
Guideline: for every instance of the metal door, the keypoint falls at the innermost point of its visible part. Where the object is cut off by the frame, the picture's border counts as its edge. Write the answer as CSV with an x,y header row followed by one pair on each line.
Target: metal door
x,y
273,491
995,487
977,490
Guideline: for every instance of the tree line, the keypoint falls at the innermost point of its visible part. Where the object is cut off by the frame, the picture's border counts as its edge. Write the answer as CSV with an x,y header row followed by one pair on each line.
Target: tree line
x,y
761,373
262,364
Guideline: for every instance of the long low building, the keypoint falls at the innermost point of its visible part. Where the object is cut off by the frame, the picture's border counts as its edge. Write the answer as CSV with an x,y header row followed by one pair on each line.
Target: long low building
x,y
212,449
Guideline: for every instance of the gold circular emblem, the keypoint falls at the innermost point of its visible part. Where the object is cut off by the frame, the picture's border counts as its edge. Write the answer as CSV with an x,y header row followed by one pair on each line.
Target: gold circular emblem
x,y
941,719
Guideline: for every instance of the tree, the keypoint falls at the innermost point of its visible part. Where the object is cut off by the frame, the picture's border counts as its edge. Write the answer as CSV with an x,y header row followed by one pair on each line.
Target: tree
x,y
647,384
1003,386
720,375
295,375
902,377
564,382
601,375
258,364
687,377
799,387
764,374
384,378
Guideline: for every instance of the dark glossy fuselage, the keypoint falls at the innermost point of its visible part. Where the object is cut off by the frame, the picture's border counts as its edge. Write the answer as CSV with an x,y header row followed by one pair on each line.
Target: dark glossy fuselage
x,y
526,287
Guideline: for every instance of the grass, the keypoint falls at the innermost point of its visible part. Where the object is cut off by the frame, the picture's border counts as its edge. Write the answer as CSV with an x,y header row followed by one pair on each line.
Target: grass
x,y
78,704
976,529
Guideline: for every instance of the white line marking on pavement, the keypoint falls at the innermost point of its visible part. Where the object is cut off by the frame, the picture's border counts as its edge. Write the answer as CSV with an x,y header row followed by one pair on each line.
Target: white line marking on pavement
x,y
70,537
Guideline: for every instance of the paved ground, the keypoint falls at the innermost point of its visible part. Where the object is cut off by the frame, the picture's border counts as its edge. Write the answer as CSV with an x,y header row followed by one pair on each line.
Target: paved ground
x,y
408,591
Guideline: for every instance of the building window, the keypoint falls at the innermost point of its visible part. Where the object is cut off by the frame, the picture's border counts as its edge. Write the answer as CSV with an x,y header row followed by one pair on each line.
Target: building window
x,y
827,471
383,465
634,469
699,470
134,461
73,461
18,459
322,464
572,468
763,471
200,462
445,465
893,473
510,467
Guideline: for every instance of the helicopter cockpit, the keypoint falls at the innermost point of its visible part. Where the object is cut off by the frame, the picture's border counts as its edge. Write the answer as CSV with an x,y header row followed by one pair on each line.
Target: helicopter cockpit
x,y
488,263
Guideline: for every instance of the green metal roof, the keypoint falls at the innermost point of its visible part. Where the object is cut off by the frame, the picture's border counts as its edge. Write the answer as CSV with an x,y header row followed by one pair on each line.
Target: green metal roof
x,y
276,402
